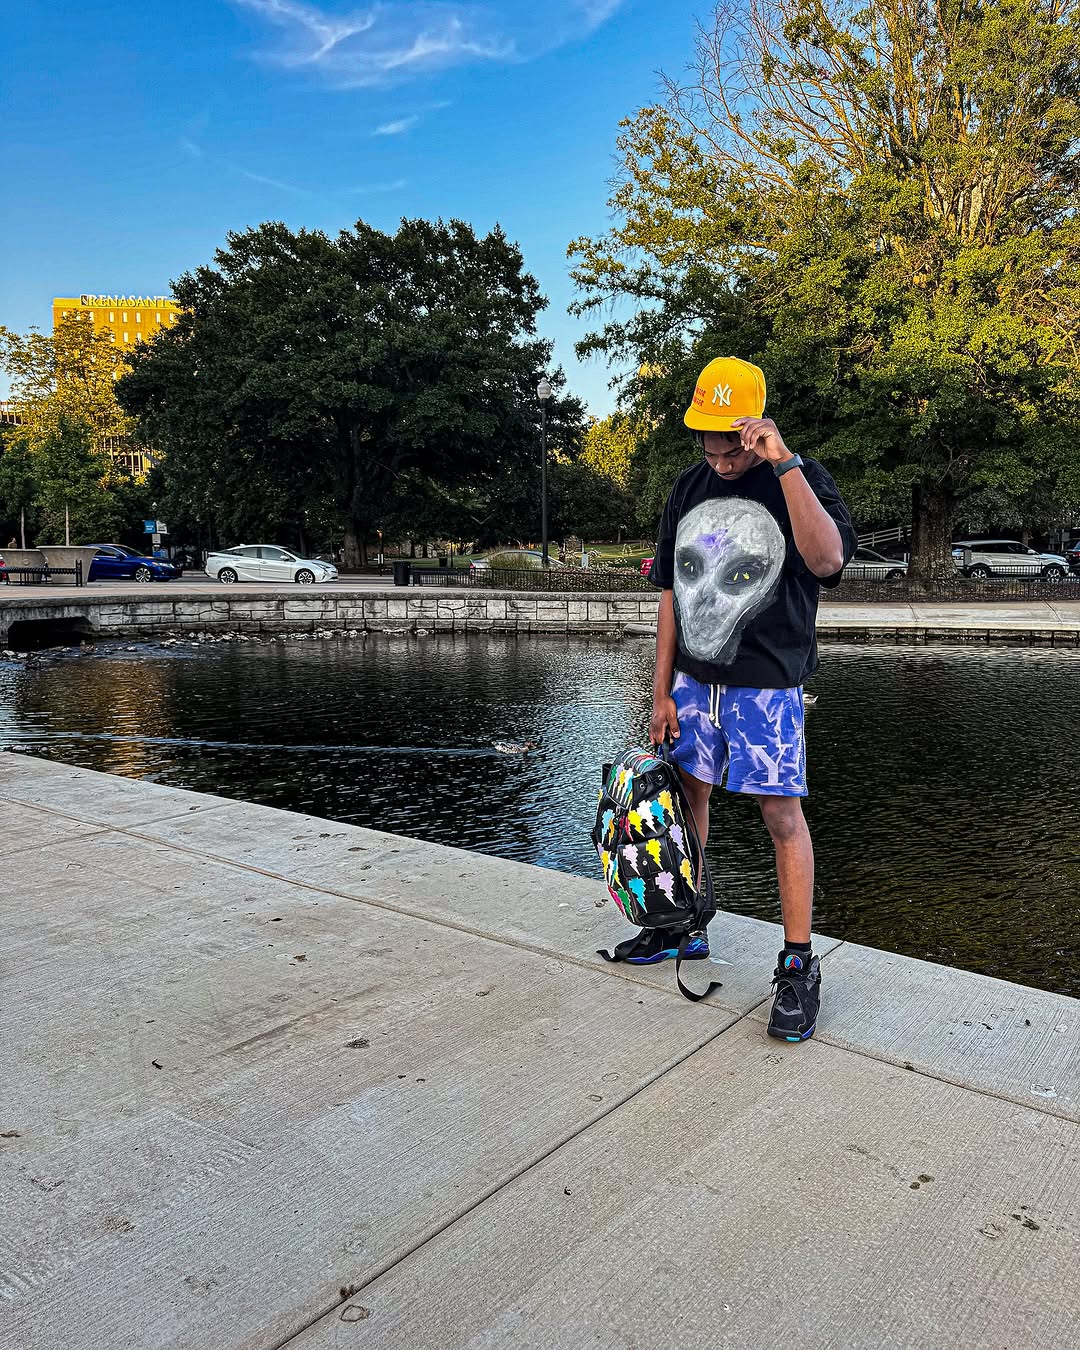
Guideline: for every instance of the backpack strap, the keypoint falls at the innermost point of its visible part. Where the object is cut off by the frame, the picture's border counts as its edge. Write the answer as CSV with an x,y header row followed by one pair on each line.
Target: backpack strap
x,y
689,993
621,950
705,882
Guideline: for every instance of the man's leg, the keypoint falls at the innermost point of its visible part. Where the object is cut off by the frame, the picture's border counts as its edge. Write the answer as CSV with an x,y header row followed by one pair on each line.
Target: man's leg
x,y
798,971
698,794
794,863
768,761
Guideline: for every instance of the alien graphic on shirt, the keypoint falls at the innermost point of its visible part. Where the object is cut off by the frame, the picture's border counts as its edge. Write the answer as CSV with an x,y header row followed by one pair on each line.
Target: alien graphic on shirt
x,y
729,554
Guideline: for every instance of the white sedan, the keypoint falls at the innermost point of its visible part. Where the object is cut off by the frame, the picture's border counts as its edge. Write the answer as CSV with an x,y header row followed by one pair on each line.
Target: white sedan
x,y
871,566
266,562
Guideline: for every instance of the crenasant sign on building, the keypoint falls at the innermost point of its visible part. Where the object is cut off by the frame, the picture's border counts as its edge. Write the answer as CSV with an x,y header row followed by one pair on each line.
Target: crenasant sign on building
x,y
129,318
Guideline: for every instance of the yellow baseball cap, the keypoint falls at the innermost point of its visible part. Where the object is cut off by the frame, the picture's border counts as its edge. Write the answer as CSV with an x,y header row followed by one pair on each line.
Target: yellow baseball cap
x,y
728,388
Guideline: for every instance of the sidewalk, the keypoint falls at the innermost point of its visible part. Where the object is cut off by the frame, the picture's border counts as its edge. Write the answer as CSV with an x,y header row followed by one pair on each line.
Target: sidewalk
x,y
269,1080
1054,620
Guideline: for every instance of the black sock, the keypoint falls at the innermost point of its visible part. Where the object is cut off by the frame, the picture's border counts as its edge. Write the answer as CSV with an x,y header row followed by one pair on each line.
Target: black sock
x,y
800,947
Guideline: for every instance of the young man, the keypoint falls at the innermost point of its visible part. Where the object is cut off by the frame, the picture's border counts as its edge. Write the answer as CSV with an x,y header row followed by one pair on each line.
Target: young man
x,y
748,536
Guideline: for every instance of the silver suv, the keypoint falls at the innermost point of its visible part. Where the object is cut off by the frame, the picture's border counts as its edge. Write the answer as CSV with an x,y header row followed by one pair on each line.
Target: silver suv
x,y
1006,558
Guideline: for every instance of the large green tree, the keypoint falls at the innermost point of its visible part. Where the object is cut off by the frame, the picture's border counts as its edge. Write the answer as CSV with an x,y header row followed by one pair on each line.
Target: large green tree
x,y
71,478
878,204
304,365
18,486
70,373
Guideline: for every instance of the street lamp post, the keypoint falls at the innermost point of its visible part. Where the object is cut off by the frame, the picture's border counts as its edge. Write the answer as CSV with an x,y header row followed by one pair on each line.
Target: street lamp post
x,y
543,393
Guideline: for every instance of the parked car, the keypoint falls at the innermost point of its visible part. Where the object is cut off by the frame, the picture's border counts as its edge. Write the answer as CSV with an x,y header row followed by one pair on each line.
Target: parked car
x,y
869,565
3,569
1072,557
1006,558
512,557
114,562
266,562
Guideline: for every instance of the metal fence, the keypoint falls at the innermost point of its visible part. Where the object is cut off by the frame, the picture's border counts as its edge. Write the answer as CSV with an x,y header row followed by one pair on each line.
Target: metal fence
x,y
960,590
561,579
42,576
866,590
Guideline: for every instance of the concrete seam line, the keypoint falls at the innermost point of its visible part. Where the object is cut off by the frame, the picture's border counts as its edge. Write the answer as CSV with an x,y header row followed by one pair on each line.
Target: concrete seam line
x,y
907,1067
113,829
390,1262
52,843
535,949
517,943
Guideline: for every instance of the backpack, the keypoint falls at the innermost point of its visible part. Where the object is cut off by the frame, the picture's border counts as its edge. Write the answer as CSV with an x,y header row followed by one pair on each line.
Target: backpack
x,y
648,845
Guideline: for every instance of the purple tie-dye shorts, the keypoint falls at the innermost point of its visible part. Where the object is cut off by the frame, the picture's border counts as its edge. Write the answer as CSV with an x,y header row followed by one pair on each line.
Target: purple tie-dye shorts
x,y
755,736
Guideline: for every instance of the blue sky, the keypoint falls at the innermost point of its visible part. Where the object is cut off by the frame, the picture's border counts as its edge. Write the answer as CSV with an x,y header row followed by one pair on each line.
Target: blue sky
x,y
138,134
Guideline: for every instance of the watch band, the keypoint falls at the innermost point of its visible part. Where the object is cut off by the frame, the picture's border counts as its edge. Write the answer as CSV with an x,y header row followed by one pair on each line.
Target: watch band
x,y
795,462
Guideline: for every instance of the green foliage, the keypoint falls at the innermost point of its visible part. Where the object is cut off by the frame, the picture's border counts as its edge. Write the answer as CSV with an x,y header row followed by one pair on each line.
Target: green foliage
x,y
71,477
877,206
65,389
371,370
69,374
513,560
608,447
18,486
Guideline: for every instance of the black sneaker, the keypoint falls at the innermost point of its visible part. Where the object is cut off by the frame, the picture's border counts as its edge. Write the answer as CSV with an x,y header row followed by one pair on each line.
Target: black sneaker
x,y
658,944
798,991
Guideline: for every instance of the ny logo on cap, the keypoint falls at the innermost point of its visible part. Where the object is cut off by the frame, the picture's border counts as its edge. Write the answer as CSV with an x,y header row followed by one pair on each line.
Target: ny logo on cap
x,y
722,395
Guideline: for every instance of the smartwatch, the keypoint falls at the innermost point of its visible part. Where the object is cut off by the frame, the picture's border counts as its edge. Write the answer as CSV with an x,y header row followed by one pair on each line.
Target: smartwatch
x,y
795,462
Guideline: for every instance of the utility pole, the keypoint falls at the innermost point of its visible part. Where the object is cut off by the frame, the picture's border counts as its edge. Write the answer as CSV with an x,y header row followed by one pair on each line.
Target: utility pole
x,y
543,393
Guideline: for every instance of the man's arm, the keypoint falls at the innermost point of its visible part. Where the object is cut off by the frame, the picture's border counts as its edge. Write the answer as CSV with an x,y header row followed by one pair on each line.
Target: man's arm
x,y
664,721
814,530
816,535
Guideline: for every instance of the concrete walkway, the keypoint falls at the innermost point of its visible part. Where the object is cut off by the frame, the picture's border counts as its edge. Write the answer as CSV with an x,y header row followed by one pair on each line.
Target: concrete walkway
x,y
268,1080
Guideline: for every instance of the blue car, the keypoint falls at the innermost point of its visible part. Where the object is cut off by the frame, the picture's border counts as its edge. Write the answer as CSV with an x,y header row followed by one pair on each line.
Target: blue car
x,y
114,562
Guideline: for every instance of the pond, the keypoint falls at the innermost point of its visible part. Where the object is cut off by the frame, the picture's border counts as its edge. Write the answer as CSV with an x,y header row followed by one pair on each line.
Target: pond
x,y
944,802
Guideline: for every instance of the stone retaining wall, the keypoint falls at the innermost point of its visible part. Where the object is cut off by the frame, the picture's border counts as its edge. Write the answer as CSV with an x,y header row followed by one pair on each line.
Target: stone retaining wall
x,y
166,613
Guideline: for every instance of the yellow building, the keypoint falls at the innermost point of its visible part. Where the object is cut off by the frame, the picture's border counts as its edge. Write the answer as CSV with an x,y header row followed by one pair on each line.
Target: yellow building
x,y
129,318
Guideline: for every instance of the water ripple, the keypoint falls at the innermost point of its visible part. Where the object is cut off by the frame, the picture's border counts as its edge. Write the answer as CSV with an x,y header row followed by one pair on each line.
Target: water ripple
x,y
943,780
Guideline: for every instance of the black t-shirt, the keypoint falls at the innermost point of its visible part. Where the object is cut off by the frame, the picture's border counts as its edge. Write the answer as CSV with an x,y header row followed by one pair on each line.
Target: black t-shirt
x,y
745,602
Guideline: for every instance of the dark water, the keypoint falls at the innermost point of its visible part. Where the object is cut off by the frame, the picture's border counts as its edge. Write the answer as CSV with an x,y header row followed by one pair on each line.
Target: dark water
x,y
945,783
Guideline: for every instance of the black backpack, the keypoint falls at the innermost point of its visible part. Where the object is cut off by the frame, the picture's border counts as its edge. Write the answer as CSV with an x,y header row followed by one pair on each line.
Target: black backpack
x,y
651,853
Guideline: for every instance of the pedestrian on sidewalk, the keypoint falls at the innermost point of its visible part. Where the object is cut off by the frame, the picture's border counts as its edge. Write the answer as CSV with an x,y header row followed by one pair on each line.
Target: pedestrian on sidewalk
x,y
748,536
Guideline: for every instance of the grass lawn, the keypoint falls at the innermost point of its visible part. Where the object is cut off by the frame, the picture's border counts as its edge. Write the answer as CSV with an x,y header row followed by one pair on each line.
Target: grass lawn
x,y
621,553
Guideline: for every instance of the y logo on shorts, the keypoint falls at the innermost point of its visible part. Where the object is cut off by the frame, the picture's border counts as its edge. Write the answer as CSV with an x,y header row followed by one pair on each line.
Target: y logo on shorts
x,y
772,766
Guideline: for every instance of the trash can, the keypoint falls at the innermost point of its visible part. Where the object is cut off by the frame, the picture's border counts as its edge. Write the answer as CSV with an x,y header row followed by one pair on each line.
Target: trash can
x,y
402,571
444,561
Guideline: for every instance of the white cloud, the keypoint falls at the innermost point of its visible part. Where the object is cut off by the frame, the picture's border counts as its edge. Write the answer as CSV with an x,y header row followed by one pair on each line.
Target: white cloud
x,y
196,151
395,40
268,182
373,189
397,128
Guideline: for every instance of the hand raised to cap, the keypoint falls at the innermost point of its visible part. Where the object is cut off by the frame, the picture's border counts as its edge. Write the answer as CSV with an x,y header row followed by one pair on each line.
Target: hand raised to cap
x,y
762,435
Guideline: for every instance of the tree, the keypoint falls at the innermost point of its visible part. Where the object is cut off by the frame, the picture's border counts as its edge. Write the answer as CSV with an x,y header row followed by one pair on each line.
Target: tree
x,y
494,504
71,479
305,365
607,455
70,374
880,203
18,486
